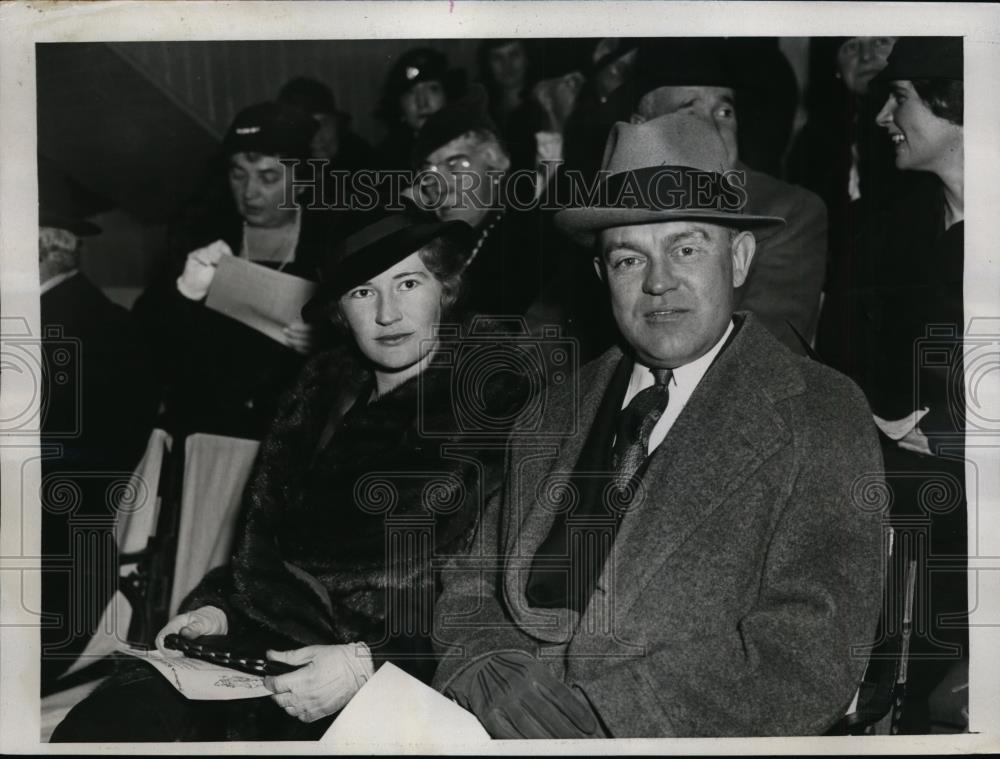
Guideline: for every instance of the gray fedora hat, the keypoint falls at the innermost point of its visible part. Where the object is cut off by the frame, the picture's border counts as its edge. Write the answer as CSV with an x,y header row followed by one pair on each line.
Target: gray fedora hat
x,y
672,168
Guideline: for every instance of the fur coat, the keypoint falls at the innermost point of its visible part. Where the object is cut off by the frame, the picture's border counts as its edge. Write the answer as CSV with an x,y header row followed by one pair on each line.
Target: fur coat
x,y
339,544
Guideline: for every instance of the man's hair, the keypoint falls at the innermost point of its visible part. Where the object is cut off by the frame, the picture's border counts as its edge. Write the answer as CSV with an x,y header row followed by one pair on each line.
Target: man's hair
x,y
58,249
445,259
945,97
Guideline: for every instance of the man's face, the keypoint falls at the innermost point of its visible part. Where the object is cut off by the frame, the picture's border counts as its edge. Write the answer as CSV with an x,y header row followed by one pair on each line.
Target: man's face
x,y
671,286
421,101
923,140
861,58
260,184
463,163
326,142
716,104
508,65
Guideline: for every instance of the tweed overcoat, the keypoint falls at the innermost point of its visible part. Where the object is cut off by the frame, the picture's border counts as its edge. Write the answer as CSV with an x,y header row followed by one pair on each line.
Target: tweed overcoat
x,y
745,574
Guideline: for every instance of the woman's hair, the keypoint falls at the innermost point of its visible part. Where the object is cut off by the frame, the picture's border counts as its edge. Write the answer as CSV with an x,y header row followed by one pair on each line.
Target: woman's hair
x,y
945,97
445,259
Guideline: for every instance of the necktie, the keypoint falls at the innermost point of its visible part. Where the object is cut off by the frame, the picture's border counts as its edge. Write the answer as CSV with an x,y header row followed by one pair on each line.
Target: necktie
x,y
635,423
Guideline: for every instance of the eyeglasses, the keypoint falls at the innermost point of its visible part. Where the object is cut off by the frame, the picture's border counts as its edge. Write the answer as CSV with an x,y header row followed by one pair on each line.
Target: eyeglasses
x,y
451,164
430,186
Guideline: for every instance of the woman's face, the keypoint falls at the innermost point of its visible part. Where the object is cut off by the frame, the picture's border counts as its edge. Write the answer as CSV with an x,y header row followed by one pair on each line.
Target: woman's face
x,y
260,185
861,58
393,316
421,101
923,140
508,65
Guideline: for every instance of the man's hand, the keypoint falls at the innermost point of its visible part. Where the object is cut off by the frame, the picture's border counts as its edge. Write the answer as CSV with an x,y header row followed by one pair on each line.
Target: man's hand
x,y
330,678
199,269
300,337
207,620
516,696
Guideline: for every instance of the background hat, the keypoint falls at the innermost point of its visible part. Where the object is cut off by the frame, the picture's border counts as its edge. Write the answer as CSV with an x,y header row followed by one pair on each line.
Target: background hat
x,y
923,58
455,119
383,240
675,165
274,129
65,204
683,62
618,47
421,64
309,95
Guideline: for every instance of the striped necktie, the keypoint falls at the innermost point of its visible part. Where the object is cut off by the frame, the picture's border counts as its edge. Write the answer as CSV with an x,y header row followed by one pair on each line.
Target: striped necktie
x,y
635,423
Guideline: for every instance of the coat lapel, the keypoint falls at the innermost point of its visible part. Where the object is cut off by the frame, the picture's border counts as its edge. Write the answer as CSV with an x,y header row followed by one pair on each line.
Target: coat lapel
x,y
539,486
728,428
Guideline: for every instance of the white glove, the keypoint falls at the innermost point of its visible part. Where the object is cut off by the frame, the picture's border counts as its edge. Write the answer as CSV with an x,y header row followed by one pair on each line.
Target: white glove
x,y
207,620
199,270
330,678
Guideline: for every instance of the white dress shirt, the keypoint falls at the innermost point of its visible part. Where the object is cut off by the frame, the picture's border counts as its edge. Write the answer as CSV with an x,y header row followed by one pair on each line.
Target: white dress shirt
x,y
58,279
682,384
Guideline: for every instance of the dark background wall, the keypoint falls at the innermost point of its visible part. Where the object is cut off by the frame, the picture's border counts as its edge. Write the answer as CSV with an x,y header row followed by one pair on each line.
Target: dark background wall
x,y
137,123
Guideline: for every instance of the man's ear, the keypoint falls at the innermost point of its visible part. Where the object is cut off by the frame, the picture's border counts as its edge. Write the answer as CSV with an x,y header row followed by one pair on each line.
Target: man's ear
x,y
744,245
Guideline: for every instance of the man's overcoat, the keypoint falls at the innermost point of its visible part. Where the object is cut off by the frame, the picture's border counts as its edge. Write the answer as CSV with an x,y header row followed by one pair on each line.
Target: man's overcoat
x,y
745,580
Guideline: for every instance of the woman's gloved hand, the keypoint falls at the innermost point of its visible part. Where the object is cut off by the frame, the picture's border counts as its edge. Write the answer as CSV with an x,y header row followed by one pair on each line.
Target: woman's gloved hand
x,y
330,678
517,696
206,620
199,269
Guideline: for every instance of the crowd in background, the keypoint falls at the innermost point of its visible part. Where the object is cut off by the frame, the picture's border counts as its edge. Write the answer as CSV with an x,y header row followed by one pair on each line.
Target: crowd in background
x,y
870,256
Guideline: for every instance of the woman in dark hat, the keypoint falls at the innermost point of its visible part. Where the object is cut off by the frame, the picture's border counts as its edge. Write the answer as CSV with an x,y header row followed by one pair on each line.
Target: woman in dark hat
x,y
218,375
915,318
419,84
371,477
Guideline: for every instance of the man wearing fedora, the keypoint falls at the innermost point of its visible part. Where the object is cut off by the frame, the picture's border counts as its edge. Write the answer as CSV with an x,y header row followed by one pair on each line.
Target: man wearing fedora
x,y
709,77
681,548
98,407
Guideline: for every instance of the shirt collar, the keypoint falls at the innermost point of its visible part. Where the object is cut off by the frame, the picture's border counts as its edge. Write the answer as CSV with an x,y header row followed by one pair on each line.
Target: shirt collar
x,y
685,377
58,279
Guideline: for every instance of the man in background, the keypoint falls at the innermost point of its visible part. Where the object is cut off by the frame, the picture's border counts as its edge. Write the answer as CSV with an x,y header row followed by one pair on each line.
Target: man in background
x,y
98,407
703,77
